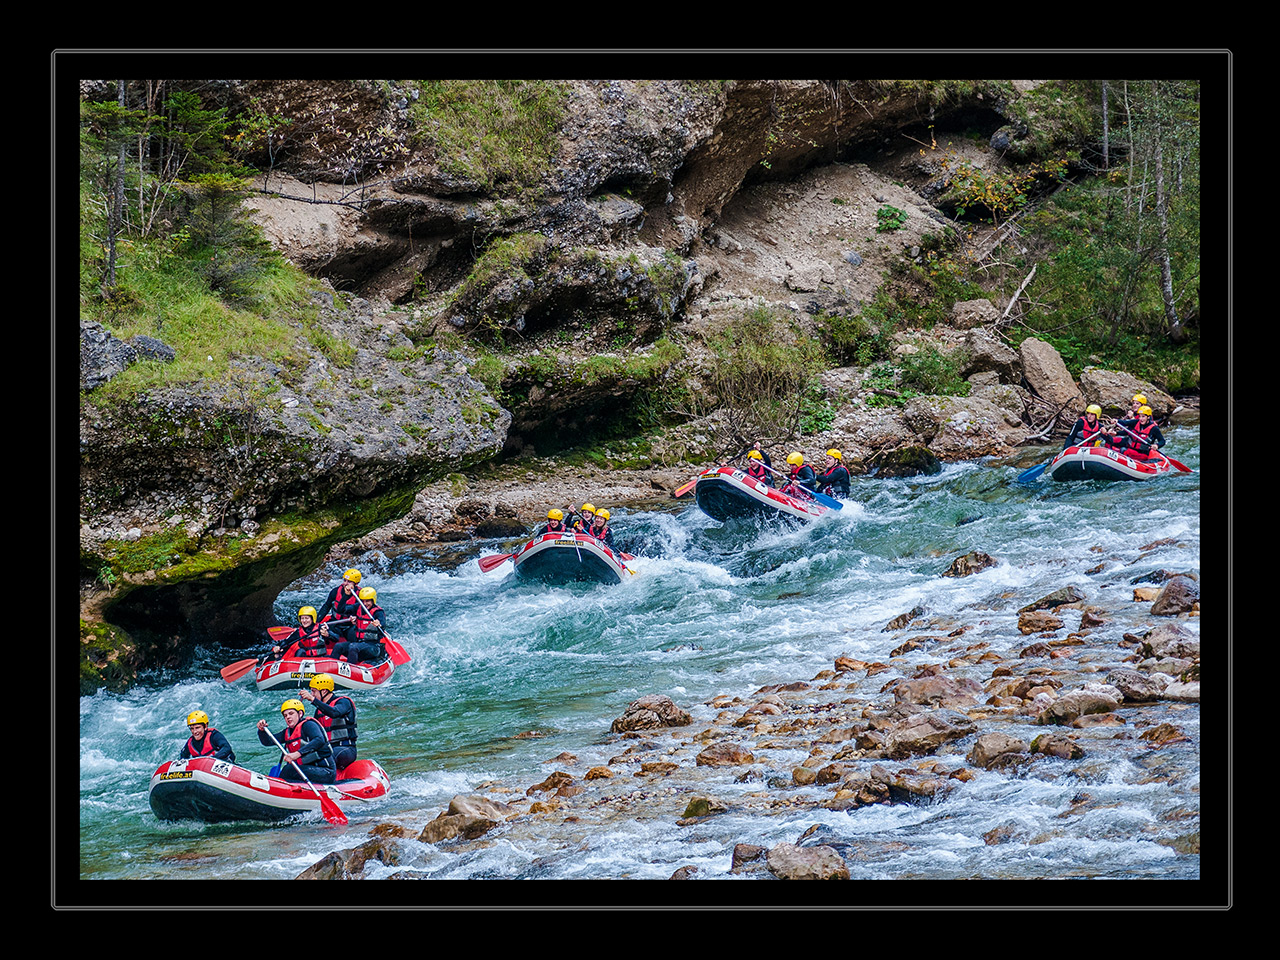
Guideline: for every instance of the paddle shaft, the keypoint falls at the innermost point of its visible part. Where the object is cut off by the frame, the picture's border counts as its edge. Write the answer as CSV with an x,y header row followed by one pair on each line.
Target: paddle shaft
x,y
812,494
327,806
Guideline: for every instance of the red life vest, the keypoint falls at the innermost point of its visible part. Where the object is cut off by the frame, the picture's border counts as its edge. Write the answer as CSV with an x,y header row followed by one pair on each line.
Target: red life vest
x,y
310,642
363,625
1140,435
346,729
757,471
206,750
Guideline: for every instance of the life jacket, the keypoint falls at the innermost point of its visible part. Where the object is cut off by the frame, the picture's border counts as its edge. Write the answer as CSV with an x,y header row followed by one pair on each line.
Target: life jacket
x,y
340,730
363,629
344,605
1140,439
601,533
757,471
556,526
836,481
310,642
293,741
206,749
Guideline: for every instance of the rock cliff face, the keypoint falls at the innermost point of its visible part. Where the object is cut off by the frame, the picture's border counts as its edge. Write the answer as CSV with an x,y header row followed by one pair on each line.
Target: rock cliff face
x,y
667,207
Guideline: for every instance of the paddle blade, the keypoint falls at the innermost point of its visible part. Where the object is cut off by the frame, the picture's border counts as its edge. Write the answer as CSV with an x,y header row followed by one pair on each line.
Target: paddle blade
x,y
329,810
684,488
234,671
1179,466
488,563
279,633
399,656
1028,476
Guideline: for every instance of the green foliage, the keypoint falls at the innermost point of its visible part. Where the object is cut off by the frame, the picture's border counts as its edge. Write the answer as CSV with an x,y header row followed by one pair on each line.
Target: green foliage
x,y
492,132
890,218
932,372
762,375
851,340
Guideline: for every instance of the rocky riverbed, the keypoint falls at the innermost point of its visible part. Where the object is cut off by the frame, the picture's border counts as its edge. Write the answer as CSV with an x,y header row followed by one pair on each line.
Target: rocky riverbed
x,y
940,712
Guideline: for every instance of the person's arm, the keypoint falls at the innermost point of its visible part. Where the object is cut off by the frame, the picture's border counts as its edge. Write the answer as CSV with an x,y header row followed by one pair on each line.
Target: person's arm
x,y
221,748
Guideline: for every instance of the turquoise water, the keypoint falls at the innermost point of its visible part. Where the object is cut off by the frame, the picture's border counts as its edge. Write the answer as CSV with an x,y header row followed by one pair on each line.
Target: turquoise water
x,y
506,675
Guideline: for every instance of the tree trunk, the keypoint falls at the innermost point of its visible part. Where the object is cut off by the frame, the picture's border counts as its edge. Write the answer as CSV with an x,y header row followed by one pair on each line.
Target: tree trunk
x,y
116,215
1173,325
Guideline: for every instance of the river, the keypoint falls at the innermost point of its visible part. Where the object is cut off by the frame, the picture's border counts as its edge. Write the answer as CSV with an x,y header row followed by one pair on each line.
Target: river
x,y
508,675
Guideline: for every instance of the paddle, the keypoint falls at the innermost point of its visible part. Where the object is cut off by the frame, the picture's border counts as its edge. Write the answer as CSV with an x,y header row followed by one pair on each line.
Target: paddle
x,y
1169,460
327,807
491,561
684,488
1027,476
399,656
234,671
822,498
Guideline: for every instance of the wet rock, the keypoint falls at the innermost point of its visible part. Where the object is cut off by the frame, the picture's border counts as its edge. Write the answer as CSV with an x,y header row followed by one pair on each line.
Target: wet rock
x,y
703,807
1056,599
651,712
939,690
925,732
1077,703
746,855
477,806
1170,640
725,754
448,826
971,563
1179,595
1051,745
1140,687
349,864
786,861
1038,621
991,747
908,461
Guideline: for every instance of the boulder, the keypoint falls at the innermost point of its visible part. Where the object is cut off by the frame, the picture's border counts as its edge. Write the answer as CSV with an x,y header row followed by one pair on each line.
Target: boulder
x,y
925,732
1179,595
649,713
786,861
973,562
1077,703
990,748
1114,390
968,314
1047,375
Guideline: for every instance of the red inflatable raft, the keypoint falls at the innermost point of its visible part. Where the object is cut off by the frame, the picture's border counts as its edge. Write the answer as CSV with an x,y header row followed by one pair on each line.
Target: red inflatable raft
x,y
1104,463
296,672
216,791
561,557
726,493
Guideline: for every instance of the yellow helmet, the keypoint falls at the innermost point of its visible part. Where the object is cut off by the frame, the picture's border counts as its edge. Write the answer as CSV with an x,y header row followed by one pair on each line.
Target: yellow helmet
x,y
293,705
322,681
1094,409
754,455
795,459
368,593
602,514
834,453
1139,399
1145,410
588,508
197,716
554,514
307,612
353,575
